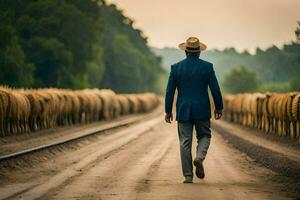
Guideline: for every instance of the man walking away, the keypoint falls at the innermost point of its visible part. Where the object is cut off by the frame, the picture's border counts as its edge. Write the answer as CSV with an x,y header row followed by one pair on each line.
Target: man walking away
x,y
191,77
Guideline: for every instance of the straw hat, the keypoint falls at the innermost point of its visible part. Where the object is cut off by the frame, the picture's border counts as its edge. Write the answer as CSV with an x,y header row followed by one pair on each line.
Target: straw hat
x,y
192,44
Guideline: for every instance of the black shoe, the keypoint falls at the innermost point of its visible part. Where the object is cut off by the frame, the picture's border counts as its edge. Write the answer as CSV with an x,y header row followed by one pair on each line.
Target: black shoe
x,y
199,168
188,180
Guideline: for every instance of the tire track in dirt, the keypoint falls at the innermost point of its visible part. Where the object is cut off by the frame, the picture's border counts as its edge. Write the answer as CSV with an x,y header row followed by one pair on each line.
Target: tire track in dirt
x,y
229,175
118,175
111,143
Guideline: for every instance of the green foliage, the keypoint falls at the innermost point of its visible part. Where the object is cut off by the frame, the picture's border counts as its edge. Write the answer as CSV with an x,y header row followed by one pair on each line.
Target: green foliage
x,y
131,66
275,87
74,44
123,72
297,31
169,56
14,67
289,86
51,60
294,84
96,66
273,65
240,80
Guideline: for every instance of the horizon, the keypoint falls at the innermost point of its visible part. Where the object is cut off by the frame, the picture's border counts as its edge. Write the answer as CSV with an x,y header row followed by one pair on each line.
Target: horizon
x,y
274,22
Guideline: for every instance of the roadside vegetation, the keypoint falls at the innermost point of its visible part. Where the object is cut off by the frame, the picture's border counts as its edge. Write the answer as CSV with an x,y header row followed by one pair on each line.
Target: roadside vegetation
x,y
273,69
74,44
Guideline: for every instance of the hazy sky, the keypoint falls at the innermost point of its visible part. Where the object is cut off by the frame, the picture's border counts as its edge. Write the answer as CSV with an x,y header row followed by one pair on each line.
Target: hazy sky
x,y
244,24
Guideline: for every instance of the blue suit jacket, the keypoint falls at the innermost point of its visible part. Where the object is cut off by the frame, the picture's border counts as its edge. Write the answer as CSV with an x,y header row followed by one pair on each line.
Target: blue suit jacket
x,y
191,77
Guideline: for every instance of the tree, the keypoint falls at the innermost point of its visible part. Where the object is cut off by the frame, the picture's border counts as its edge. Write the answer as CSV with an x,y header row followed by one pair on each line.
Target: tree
x,y
130,65
74,44
52,61
125,70
239,80
295,84
297,31
57,37
14,67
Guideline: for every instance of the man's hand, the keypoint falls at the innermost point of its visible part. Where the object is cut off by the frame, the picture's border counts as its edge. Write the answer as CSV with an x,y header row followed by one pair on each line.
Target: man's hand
x,y
169,117
218,114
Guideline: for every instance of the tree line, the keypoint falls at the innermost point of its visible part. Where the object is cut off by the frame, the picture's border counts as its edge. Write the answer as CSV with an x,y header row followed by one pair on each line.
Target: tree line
x,y
74,44
273,69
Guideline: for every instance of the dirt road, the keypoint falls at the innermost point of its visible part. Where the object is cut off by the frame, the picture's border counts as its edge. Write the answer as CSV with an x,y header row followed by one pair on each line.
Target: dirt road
x,y
142,162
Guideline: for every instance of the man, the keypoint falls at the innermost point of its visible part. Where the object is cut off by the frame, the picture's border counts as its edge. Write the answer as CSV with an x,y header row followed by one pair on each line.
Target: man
x,y
191,77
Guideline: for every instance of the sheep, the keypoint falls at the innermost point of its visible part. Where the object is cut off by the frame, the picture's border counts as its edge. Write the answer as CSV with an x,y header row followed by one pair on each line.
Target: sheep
x,y
296,116
17,111
261,99
12,114
35,109
278,113
2,114
95,104
134,104
24,111
75,112
29,110
109,102
124,104
228,107
147,101
5,101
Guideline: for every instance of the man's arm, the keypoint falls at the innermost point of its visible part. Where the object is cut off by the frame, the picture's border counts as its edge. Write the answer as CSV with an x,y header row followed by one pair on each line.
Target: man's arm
x,y
170,91
216,93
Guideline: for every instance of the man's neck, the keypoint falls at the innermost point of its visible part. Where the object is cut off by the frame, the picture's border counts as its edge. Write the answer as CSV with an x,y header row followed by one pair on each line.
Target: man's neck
x,y
192,56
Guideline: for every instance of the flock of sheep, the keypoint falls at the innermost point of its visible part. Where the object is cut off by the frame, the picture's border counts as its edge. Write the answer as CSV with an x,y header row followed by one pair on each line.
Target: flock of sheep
x,y
271,112
28,110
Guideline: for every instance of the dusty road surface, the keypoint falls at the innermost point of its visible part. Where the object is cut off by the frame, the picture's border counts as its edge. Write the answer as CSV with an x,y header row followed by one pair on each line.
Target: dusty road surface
x,y
140,162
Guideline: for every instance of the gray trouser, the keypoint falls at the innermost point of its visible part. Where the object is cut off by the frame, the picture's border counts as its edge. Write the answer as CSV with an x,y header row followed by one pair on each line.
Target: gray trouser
x,y
185,132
